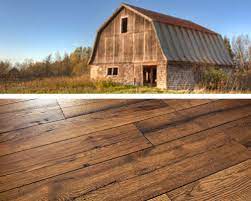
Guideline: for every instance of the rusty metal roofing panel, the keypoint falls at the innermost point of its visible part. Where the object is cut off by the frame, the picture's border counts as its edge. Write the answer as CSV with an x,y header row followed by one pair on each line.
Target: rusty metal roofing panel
x,y
190,46
203,53
177,45
205,48
224,50
197,46
164,42
216,40
170,20
209,48
181,44
169,42
217,50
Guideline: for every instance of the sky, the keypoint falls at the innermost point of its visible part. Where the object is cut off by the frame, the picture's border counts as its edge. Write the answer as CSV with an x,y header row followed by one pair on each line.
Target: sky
x,y
36,28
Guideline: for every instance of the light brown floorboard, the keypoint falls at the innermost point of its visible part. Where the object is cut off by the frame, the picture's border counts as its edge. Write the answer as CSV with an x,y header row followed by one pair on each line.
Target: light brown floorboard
x,y
172,126
171,177
232,184
161,198
58,131
137,165
27,118
95,106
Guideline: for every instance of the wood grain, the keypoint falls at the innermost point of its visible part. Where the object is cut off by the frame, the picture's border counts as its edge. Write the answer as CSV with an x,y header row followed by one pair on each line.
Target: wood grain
x,y
55,159
27,105
230,184
87,107
10,101
171,177
161,198
125,150
136,164
185,104
27,118
172,126
55,132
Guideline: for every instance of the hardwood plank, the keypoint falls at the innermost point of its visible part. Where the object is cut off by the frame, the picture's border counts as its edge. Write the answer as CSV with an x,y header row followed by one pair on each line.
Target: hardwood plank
x,y
171,177
172,126
161,198
25,160
185,104
54,132
87,107
25,167
27,105
27,118
130,166
74,102
10,101
230,184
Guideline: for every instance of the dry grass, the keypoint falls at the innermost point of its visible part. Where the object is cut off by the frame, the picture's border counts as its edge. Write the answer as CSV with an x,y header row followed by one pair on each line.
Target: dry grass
x,y
83,85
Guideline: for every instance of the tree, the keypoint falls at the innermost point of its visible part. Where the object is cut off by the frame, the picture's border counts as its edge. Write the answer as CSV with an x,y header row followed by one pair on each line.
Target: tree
x,y
58,64
241,45
4,67
228,46
67,65
249,66
48,65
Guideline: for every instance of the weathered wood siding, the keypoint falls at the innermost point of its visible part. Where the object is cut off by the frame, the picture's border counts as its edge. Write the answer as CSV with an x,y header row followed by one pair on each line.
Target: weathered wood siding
x,y
139,44
128,51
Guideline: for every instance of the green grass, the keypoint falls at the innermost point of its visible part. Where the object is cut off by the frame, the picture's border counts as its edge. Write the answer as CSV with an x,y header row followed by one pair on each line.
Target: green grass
x,y
82,85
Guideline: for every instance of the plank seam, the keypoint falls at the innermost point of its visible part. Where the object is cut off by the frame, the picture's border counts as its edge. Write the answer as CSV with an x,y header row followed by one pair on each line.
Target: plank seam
x,y
78,169
208,175
61,158
164,166
61,109
245,117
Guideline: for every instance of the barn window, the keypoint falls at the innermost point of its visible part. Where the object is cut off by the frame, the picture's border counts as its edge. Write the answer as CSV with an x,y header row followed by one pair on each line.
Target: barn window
x,y
115,71
124,25
109,72
112,71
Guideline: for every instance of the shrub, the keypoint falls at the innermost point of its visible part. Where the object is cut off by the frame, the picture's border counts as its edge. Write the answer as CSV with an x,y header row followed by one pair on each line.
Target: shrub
x,y
214,78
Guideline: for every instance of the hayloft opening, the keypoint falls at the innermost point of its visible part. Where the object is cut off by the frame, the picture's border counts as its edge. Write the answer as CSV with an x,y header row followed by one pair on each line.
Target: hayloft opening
x,y
124,25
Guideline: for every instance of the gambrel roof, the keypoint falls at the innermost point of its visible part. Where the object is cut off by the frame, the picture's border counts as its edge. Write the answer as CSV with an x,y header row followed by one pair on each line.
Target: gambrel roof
x,y
182,40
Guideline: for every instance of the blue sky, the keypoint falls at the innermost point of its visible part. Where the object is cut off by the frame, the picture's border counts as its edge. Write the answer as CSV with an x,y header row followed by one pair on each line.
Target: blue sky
x,y
36,28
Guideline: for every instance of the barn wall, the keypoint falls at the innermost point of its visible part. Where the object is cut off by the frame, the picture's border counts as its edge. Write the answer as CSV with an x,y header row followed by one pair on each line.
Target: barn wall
x,y
139,44
128,51
187,76
130,73
181,77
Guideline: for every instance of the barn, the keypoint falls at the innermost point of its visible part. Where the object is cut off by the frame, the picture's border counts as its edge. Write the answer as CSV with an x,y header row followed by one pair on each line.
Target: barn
x,y
136,46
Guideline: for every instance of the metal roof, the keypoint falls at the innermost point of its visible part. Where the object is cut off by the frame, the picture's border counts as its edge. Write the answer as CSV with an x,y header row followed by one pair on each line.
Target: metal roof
x,y
181,40
189,45
167,19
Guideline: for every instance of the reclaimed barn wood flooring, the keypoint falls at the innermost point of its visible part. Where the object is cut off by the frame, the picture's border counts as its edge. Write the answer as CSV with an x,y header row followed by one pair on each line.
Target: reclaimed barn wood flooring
x,y
158,150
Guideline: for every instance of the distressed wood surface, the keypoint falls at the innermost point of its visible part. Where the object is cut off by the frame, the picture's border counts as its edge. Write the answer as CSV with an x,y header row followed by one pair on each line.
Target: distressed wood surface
x,y
230,184
125,150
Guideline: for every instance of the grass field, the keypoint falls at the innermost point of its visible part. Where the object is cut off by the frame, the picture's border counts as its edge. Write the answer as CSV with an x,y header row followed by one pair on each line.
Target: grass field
x,y
82,85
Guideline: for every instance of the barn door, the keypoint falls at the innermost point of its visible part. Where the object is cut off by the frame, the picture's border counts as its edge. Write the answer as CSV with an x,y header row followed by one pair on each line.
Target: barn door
x,y
150,76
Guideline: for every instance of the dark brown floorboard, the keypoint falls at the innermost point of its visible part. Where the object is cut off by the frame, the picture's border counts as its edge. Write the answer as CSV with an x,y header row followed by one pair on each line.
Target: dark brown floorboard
x,y
125,150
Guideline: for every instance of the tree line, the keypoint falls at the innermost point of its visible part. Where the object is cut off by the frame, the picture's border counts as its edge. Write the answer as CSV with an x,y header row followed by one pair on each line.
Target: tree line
x,y
72,64
240,51
76,63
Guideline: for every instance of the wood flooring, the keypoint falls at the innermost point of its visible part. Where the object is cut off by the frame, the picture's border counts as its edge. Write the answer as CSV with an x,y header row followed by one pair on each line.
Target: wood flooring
x,y
116,150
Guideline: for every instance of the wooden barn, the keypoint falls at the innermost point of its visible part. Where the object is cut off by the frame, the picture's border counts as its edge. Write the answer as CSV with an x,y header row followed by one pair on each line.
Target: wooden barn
x,y
140,47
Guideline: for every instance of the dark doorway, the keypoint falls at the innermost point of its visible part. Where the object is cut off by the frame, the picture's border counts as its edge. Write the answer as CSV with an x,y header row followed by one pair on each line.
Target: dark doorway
x,y
150,76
